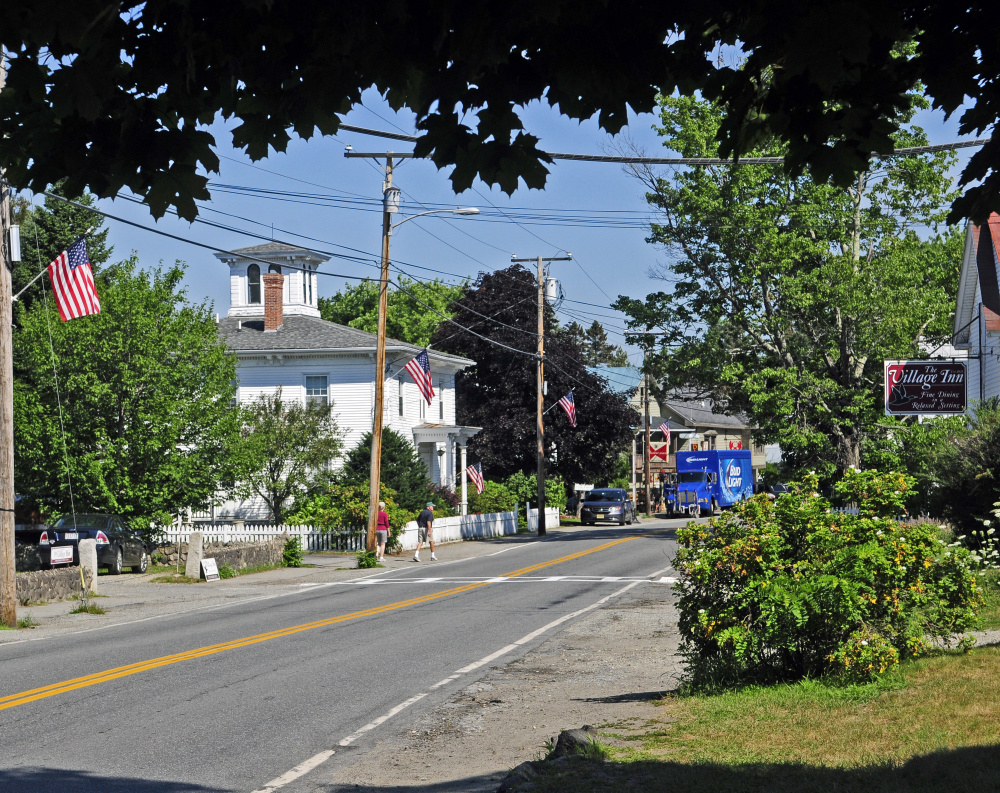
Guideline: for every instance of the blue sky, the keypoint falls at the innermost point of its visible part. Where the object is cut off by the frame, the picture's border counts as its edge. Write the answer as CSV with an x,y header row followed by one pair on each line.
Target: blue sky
x,y
599,212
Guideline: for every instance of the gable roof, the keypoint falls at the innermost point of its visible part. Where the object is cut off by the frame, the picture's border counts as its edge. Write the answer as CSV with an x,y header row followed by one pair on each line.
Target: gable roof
x,y
970,291
312,334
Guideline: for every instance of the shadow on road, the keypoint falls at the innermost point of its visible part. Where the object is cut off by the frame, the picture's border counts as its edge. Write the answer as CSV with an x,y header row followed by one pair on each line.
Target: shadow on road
x,y
61,780
631,696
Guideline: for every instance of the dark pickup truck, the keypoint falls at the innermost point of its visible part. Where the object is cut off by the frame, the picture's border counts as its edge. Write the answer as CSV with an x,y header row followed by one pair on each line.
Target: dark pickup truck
x,y
118,546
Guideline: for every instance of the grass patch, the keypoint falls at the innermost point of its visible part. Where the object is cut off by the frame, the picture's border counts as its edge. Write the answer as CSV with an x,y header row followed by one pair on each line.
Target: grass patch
x,y
162,568
27,621
989,614
931,727
175,578
87,608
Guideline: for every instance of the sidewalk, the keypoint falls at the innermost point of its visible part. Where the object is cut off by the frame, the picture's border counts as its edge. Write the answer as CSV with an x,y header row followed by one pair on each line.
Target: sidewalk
x,y
130,598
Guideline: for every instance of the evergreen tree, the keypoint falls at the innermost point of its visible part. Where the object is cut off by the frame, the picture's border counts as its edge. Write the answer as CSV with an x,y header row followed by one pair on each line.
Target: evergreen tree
x,y
594,345
402,469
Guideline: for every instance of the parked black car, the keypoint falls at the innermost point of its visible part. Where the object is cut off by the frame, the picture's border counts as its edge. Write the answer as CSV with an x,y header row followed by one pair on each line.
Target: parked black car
x,y
607,503
118,546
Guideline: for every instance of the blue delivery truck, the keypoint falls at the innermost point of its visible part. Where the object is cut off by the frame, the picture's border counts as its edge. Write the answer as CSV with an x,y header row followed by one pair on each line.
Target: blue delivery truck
x,y
710,481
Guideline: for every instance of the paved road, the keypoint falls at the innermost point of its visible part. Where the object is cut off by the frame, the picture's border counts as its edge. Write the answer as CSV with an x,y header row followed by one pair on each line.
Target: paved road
x,y
255,695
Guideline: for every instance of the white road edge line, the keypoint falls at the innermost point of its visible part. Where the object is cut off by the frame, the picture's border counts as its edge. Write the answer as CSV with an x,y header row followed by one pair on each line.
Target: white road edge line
x,y
317,760
300,770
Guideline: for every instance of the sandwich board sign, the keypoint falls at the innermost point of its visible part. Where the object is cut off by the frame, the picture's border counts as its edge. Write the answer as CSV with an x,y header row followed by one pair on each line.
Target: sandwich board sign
x,y
936,388
210,569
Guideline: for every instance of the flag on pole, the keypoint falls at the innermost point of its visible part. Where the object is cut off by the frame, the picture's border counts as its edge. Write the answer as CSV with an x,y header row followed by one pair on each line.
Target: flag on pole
x,y
420,370
567,404
73,283
665,429
475,473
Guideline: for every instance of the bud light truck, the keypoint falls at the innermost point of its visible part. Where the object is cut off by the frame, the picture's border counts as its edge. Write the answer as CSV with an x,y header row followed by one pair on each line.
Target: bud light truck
x,y
710,481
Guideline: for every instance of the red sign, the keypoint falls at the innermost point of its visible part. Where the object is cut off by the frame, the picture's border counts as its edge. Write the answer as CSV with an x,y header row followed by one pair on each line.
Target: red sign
x,y
925,387
735,445
658,452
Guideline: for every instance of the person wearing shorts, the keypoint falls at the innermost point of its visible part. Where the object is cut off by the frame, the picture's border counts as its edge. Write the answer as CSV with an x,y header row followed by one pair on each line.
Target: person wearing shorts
x,y
425,525
381,531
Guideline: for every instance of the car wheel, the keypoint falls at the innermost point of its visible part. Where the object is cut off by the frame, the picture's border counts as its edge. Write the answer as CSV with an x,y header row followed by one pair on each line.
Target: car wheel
x,y
143,564
115,568
631,517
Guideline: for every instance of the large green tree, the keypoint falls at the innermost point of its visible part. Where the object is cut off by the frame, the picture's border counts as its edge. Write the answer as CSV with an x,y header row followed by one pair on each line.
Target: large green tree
x,y
413,314
787,293
594,345
285,445
402,469
121,94
143,393
499,392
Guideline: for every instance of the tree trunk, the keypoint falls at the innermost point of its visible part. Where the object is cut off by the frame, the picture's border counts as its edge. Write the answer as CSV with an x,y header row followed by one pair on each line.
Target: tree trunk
x,y
848,450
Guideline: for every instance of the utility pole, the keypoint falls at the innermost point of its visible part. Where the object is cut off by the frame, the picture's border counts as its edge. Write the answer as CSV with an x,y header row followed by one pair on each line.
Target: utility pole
x,y
540,394
390,205
8,586
645,456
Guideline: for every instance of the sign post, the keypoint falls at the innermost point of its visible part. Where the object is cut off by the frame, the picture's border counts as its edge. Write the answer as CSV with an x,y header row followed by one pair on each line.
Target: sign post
x,y
914,388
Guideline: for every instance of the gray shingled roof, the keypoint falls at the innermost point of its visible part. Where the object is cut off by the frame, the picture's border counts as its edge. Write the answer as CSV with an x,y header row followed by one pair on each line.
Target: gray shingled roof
x,y
701,414
271,247
309,333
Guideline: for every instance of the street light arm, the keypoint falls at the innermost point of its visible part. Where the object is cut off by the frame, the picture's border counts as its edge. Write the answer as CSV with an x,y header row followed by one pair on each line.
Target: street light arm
x,y
460,211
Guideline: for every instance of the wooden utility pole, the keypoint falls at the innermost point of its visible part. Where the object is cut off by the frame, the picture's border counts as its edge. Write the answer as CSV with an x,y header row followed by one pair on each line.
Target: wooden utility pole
x,y
8,586
645,456
390,205
540,391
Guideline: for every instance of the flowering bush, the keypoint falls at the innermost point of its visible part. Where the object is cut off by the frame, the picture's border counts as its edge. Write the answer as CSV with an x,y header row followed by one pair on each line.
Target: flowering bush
x,y
790,588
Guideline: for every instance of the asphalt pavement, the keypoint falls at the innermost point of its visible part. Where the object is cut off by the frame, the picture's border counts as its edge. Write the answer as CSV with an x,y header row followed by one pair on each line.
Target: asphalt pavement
x,y
257,692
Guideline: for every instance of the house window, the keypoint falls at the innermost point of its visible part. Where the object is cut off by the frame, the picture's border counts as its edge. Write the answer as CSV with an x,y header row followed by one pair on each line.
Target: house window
x,y
305,277
253,284
441,400
402,406
423,407
316,391
274,268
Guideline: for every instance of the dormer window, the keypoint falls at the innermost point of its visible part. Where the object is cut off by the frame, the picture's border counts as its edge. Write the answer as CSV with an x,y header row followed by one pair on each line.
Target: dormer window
x,y
253,284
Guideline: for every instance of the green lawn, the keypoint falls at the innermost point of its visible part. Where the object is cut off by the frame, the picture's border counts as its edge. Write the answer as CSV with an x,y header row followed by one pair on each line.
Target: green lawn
x,y
989,614
932,727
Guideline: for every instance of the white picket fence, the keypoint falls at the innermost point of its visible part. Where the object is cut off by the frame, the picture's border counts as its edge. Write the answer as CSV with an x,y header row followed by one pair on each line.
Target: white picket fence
x,y
452,529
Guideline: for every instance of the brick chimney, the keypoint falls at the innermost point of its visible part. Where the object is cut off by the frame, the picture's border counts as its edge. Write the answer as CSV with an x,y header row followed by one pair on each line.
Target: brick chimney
x,y
274,299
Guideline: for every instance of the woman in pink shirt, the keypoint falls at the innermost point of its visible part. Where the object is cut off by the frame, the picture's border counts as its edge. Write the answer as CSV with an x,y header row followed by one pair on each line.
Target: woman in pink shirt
x,y
381,531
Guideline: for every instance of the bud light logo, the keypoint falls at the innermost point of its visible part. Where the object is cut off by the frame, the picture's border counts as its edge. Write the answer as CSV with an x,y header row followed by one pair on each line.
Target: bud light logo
x,y
734,476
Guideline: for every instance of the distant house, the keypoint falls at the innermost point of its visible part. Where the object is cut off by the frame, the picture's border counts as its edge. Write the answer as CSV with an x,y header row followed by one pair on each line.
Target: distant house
x,y
694,425
280,341
977,327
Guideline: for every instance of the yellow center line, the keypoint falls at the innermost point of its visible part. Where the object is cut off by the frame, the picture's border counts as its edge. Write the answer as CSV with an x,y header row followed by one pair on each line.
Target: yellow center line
x,y
22,698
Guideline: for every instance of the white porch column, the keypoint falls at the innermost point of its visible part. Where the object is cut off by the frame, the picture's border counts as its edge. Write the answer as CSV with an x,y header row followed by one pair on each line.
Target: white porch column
x,y
465,479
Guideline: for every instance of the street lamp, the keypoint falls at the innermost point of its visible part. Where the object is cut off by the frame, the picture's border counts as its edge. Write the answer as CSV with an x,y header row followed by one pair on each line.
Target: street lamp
x,y
390,207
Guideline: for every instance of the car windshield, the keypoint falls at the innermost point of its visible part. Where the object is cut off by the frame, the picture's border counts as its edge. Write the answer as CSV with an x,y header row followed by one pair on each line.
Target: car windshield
x,y
605,495
779,489
82,521
692,476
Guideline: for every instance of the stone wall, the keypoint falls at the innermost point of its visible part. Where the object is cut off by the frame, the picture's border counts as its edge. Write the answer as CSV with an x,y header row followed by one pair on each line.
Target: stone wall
x,y
48,585
237,555
26,558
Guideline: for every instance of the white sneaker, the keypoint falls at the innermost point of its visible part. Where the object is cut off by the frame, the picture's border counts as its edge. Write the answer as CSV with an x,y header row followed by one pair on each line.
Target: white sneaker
x,y
433,558
416,557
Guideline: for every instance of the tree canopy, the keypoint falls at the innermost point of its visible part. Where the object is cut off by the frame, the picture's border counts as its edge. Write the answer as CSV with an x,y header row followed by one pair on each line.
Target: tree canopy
x,y
786,293
145,388
407,318
402,469
113,95
498,393
594,345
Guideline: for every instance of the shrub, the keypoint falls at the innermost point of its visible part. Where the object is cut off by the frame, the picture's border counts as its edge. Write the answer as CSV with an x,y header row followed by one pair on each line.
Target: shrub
x,y
345,506
366,559
291,554
225,571
494,498
525,488
790,589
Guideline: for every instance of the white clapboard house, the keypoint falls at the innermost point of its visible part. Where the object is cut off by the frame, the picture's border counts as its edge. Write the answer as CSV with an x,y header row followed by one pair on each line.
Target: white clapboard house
x,y
977,327
280,341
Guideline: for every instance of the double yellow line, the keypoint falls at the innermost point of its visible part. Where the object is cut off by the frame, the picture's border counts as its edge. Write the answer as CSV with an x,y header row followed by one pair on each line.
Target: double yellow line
x,y
24,697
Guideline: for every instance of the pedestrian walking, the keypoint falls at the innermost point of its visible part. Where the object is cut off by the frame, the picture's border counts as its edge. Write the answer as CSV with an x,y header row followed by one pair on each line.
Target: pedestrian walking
x,y
425,526
381,531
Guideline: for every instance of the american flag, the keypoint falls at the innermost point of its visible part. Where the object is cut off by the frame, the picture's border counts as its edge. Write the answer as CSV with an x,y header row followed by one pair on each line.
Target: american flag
x,y
567,404
475,473
73,283
665,429
420,370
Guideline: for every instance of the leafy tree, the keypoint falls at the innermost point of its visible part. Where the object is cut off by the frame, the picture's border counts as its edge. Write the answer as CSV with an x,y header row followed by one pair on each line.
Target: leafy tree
x,y
407,317
498,393
524,488
345,506
47,231
402,469
120,95
145,388
284,445
496,497
594,345
787,293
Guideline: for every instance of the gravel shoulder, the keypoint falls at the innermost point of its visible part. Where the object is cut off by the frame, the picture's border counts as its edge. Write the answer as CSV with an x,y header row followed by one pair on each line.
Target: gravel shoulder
x,y
606,670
